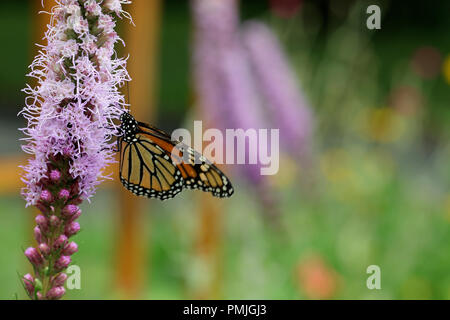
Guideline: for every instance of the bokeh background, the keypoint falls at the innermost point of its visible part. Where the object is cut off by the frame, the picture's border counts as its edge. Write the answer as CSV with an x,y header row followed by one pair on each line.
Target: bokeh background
x,y
370,187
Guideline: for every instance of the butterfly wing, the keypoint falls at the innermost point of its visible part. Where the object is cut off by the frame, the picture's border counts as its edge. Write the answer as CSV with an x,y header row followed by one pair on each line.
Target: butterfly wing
x,y
200,173
153,165
147,170
197,171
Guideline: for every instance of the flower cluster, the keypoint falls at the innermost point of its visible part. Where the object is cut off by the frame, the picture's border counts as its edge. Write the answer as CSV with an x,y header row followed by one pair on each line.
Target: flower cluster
x,y
70,116
244,81
278,86
54,227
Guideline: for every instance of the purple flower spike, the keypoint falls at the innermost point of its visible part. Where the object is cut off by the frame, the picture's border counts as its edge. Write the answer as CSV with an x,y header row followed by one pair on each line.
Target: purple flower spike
x,y
59,279
70,249
56,293
28,282
63,262
64,194
34,256
278,85
46,196
72,112
55,175
72,229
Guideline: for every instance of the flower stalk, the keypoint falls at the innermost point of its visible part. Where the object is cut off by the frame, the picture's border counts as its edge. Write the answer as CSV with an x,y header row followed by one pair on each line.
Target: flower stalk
x,y
70,116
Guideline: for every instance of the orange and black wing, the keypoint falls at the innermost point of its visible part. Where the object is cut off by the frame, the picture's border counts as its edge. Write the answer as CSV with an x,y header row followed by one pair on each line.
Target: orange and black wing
x,y
147,170
197,172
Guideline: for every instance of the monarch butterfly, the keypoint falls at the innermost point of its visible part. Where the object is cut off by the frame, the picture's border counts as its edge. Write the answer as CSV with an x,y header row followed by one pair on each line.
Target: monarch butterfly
x,y
155,166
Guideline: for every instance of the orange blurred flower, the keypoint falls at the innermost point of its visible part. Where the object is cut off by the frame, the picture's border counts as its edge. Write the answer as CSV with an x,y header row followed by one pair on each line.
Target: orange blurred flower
x,y
285,8
427,62
385,125
406,100
316,279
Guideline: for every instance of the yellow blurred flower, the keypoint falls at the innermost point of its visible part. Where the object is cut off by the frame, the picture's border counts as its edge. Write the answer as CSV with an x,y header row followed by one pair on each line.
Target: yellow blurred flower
x,y
384,125
446,69
334,165
288,173
416,288
447,208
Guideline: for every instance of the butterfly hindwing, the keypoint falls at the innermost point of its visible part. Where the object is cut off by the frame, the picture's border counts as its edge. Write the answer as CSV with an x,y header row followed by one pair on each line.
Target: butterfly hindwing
x,y
200,173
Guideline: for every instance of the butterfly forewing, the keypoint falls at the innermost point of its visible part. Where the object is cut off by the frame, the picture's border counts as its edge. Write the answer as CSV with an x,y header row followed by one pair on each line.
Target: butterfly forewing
x,y
146,170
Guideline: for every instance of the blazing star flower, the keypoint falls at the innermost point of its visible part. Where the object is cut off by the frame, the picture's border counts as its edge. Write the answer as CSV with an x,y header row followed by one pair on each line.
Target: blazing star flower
x,y
227,92
244,81
70,116
279,87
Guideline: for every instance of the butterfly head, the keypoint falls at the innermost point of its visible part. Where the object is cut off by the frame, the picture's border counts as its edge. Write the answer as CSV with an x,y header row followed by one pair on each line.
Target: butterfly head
x,y
128,125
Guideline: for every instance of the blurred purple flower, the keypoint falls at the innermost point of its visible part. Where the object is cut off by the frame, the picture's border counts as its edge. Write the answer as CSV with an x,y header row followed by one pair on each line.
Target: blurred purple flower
x,y
70,116
216,27
238,73
278,85
227,97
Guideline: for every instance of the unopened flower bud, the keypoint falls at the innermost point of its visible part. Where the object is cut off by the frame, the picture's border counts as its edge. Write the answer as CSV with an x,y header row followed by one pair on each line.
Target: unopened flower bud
x,y
59,279
70,210
45,249
72,229
75,216
56,293
60,242
42,222
46,196
55,175
34,256
63,262
39,295
70,249
28,282
64,194
38,235
54,221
